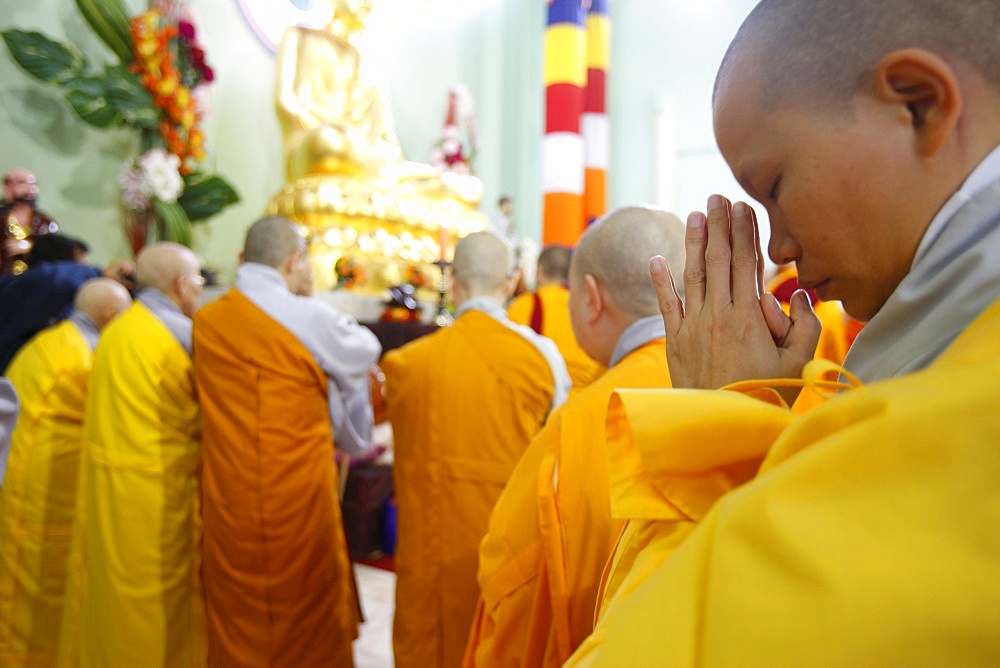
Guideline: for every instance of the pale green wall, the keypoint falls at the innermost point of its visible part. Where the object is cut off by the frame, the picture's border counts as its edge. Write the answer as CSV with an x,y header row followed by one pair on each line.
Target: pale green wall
x,y
663,51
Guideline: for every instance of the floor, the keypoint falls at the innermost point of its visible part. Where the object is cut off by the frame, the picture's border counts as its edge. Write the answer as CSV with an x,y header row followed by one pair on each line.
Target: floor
x,y
377,588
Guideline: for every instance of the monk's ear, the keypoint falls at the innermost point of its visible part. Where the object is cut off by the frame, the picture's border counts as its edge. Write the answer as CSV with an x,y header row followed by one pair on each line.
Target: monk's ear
x,y
926,89
595,298
510,286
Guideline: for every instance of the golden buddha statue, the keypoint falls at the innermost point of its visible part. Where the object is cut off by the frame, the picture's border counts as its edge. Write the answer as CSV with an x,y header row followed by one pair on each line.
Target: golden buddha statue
x,y
347,181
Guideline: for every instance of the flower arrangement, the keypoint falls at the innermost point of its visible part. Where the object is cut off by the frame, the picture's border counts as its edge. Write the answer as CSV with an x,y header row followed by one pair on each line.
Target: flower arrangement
x,y
171,65
449,153
349,273
155,174
415,277
159,88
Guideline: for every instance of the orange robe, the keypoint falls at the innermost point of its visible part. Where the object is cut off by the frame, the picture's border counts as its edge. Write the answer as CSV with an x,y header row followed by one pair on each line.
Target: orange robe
x,y
551,531
464,403
554,319
38,497
278,583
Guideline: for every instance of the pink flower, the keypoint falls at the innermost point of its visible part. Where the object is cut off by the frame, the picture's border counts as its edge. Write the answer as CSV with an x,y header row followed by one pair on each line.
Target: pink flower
x,y
186,30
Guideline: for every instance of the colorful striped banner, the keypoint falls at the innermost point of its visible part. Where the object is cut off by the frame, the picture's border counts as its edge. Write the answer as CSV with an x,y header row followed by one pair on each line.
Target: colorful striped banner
x,y
595,118
575,146
563,145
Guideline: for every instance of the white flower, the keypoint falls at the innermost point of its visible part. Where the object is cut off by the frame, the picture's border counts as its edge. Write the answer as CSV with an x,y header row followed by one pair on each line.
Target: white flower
x,y
154,174
134,194
159,170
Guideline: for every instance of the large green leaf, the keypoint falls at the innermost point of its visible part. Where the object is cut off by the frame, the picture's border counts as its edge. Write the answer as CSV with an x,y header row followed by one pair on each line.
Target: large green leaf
x,y
130,98
110,21
171,222
43,58
87,96
206,195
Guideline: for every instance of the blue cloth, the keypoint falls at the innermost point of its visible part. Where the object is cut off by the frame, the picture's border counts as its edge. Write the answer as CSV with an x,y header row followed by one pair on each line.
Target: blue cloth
x,y
36,299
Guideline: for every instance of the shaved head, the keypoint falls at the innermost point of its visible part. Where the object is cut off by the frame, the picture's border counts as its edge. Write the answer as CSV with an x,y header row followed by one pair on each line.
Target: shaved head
x,y
554,263
270,241
482,263
102,299
160,264
616,251
817,54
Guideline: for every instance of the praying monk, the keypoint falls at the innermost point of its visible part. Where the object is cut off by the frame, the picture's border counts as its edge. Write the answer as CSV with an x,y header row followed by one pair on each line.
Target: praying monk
x,y
283,378
134,590
869,537
37,502
546,310
552,531
464,402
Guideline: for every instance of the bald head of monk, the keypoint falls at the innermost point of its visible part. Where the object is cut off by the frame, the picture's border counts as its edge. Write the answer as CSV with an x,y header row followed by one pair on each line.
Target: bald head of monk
x,y
609,279
553,265
174,270
819,54
276,242
102,299
483,267
853,122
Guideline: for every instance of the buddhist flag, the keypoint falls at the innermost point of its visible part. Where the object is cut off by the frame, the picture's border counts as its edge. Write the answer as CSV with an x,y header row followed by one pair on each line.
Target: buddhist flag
x,y
575,146
594,122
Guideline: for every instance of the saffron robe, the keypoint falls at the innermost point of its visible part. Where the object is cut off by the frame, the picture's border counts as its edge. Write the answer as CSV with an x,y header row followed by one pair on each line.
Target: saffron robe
x,y
134,594
868,538
278,580
836,336
38,497
551,531
464,403
548,306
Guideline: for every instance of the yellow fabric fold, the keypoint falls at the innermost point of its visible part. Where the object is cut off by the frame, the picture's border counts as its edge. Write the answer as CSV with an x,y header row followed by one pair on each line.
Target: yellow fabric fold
x,y
670,455
38,498
868,537
134,594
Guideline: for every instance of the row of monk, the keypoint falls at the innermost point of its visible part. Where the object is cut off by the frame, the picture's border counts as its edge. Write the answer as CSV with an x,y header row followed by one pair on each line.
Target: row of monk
x,y
620,522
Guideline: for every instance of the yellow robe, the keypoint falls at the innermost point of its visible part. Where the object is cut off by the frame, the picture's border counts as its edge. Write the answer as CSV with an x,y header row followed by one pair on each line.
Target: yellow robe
x,y
868,538
278,581
38,498
134,595
835,339
547,543
464,402
557,326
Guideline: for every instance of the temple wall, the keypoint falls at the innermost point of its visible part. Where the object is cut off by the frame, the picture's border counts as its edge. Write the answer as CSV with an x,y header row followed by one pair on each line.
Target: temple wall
x,y
664,56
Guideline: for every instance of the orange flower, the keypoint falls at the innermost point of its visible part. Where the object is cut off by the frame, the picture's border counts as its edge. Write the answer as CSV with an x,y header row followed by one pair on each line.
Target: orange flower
x,y
156,68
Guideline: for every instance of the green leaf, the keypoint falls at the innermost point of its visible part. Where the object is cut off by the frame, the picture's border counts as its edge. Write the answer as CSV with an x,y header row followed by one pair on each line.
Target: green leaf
x,y
206,195
110,21
172,224
87,97
43,58
130,98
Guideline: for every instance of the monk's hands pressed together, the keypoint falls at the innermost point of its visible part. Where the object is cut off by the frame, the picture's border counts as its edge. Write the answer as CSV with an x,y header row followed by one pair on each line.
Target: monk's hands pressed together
x,y
727,329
